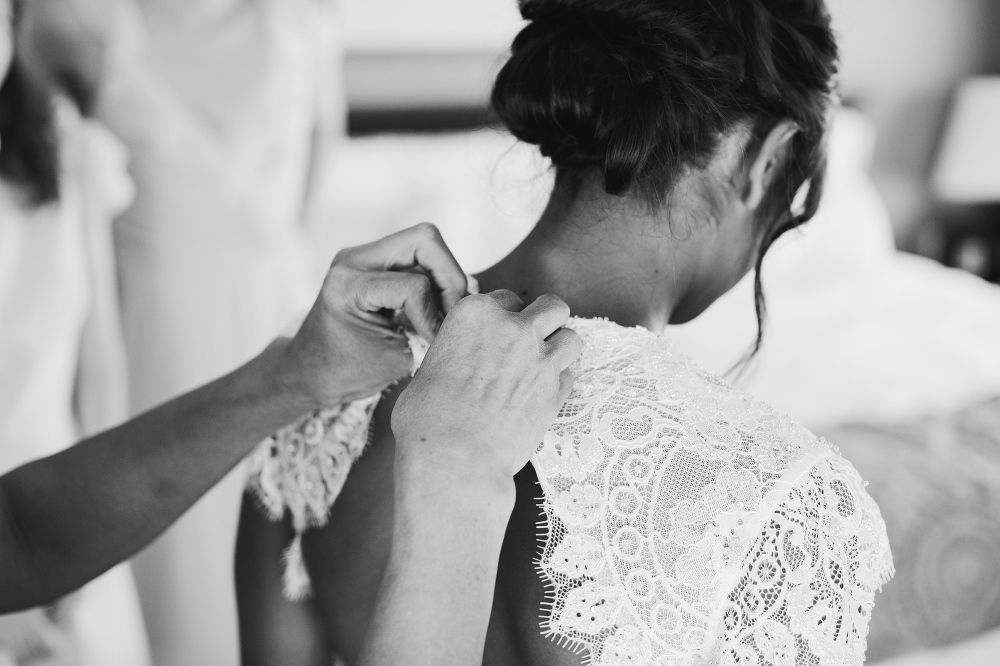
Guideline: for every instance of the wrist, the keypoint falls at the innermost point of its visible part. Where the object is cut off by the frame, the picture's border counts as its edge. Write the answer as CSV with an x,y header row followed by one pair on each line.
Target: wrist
x,y
283,379
431,476
297,377
474,521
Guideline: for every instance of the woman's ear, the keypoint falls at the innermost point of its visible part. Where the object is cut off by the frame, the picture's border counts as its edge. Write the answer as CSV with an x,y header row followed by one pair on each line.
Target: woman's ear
x,y
773,154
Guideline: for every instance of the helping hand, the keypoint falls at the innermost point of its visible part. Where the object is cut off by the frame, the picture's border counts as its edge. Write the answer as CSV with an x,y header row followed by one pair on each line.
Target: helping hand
x,y
489,388
350,345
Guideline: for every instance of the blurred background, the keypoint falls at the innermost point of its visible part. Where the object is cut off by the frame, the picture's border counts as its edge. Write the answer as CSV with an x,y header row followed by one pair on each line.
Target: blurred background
x,y
219,201
429,65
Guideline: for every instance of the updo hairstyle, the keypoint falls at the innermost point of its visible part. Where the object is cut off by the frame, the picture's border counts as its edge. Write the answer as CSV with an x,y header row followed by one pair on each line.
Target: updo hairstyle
x,y
638,90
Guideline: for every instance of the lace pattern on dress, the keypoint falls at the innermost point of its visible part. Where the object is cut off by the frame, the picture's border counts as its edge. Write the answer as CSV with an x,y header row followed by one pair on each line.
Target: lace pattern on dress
x,y
805,594
686,522
302,468
657,480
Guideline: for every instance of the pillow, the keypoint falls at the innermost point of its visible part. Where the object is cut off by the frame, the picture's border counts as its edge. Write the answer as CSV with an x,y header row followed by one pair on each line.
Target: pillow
x,y
937,483
855,331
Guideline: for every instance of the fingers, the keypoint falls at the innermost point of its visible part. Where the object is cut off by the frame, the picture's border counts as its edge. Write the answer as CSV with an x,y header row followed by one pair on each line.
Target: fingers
x,y
566,379
409,292
546,314
419,247
563,347
508,300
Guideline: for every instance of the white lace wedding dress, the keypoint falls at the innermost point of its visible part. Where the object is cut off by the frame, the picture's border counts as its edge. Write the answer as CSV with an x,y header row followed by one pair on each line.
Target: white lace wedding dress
x,y
687,523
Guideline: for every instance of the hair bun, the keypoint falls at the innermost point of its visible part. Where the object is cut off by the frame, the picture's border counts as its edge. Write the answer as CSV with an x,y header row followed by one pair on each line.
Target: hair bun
x,y
606,84
580,87
639,88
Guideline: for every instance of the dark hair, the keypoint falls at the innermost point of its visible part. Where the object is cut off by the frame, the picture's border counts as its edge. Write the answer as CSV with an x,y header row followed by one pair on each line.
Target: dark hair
x,y
637,90
29,150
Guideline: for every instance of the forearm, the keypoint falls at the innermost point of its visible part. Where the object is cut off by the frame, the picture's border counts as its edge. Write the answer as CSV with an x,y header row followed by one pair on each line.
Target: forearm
x,y
66,518
437,593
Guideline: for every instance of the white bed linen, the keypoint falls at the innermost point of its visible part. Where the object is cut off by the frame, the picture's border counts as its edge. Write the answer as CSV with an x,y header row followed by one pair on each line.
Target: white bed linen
x,y
856,331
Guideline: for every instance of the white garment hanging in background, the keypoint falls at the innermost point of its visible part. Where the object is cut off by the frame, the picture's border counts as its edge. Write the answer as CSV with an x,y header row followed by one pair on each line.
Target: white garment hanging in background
x,y
46,297
213,261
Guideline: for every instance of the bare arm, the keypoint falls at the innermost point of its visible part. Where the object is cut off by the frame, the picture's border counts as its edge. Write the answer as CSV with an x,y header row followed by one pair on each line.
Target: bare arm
x,y
437,592
69,517
490,387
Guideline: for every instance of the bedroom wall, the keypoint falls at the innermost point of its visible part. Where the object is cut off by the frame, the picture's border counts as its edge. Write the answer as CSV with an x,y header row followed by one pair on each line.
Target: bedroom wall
x,y
900,60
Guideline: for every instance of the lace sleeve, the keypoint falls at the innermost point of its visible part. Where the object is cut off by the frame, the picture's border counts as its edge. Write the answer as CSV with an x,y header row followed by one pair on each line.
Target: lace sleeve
x,y
806,589
301,469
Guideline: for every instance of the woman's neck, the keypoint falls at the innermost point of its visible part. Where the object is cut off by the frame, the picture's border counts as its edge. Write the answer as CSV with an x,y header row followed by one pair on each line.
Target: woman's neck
x,y
584,250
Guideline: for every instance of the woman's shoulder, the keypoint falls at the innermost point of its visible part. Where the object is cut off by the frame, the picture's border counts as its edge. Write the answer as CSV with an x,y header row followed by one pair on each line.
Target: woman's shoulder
x,y
659,480
634,386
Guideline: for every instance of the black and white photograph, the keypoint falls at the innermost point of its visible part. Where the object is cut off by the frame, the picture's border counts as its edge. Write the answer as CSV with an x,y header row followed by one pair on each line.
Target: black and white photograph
x,y
499,332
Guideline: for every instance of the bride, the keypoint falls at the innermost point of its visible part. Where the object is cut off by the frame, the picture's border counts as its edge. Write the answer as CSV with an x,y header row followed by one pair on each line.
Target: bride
x,y
666,518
